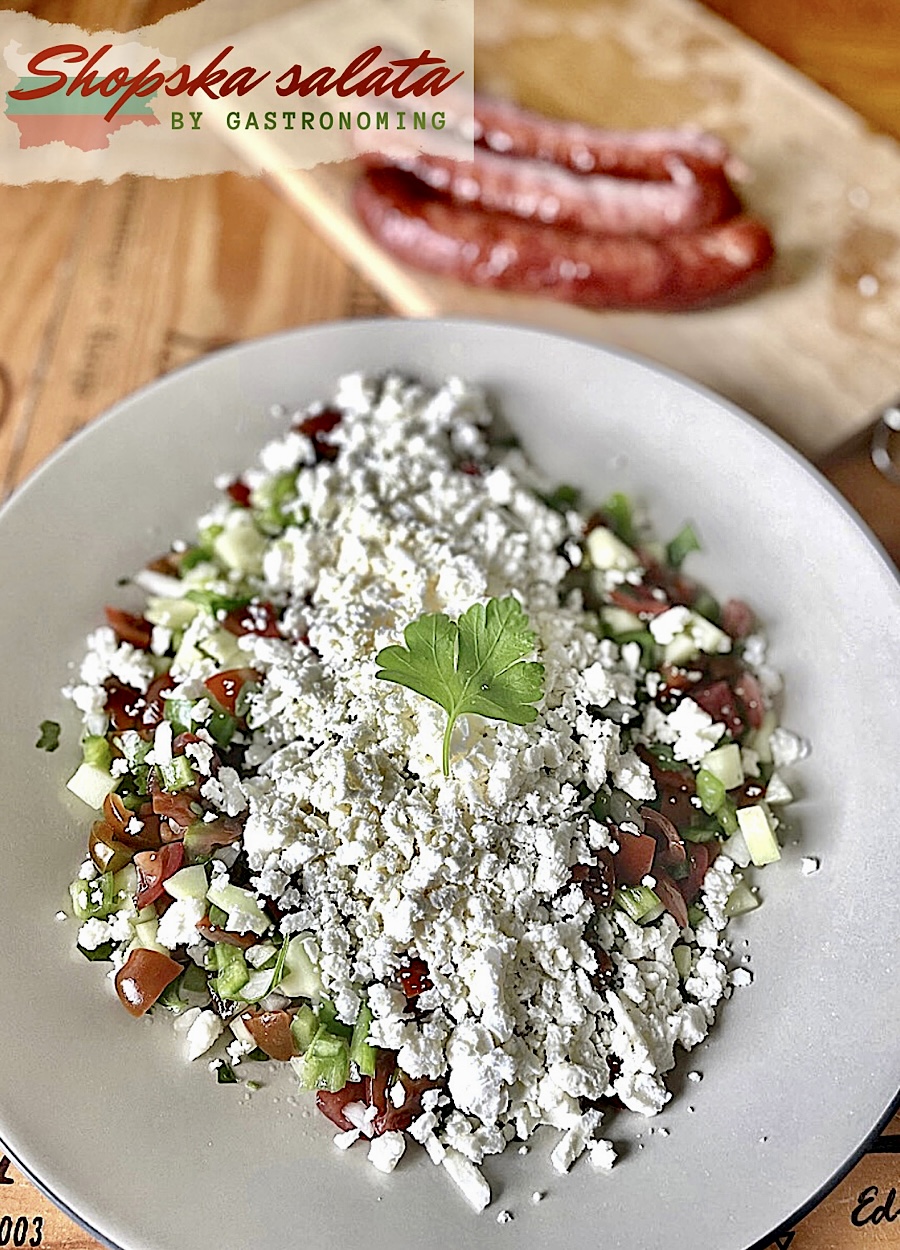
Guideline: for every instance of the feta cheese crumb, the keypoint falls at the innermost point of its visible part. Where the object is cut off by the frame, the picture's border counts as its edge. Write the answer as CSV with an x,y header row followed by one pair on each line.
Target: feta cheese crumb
x,y
386,1151
808,865
468,1178
204,1030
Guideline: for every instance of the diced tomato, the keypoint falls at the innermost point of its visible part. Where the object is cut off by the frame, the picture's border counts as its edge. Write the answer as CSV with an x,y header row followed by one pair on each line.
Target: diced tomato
x,y
603,977
634,858
155,867
639,599
226,687
271,1030
666,890
239,492
118,817
675,788
332,1105
700,857
169,564
143,977
203,836
737,618
177,808
316,426
748,690
124,704
108,853
154,708
398,1119
129,627
256,618
719,701
214,933
377,1085
670,846
414,978
597,881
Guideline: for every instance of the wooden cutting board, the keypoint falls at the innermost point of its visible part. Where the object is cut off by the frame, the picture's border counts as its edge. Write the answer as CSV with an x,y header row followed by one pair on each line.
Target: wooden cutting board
x,y
814,354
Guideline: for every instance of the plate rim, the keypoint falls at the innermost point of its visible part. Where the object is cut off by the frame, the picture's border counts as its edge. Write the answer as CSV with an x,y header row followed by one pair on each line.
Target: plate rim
x,y
213,360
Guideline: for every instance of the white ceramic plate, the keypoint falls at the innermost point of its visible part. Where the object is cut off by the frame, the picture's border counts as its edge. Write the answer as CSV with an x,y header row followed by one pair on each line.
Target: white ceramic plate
x,y
151,1153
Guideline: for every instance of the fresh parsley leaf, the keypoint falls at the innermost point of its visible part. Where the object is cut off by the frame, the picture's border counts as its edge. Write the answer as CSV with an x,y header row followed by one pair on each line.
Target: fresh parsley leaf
x,y
49,739
476,664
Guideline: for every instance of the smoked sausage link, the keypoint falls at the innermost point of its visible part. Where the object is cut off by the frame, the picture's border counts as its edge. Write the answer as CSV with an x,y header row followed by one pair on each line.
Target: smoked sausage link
x,y
677,272
504,127
543,192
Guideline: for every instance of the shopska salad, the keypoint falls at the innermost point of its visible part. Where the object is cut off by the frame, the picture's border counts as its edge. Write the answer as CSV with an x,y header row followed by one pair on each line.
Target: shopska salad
x,y
418,778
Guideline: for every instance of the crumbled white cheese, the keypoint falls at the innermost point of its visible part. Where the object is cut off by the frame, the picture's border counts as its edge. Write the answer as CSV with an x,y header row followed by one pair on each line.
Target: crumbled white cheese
x,y
203,1032
386,1151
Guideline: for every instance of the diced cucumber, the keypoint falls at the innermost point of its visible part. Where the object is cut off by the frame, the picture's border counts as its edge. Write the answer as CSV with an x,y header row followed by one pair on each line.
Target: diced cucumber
x,y
96,751
240,545
710,791
680,650
759,834
96,899
178,713
187,883
620,620
328,1019
177,774
301,977
145,936
708,637
639,903
683,959
244,912
606,551
241,1032
326,1064
761,739
126,881
736,850
741,900
304,1027
232,970
725,763
361,1053
222,647
92,784
172,614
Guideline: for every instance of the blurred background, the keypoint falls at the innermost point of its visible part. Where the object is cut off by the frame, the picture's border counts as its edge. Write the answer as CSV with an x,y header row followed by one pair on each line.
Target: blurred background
x,y
108,286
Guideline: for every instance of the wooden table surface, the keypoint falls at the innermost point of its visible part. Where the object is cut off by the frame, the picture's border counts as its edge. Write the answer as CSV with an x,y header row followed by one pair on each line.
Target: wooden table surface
x,y
107,287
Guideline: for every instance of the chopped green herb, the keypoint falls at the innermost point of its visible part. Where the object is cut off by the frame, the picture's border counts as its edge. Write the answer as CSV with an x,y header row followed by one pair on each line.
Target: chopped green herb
x,y
225,1074
563,499
216,603
665,756
49,737
684,541
474,665
618,512
99,953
